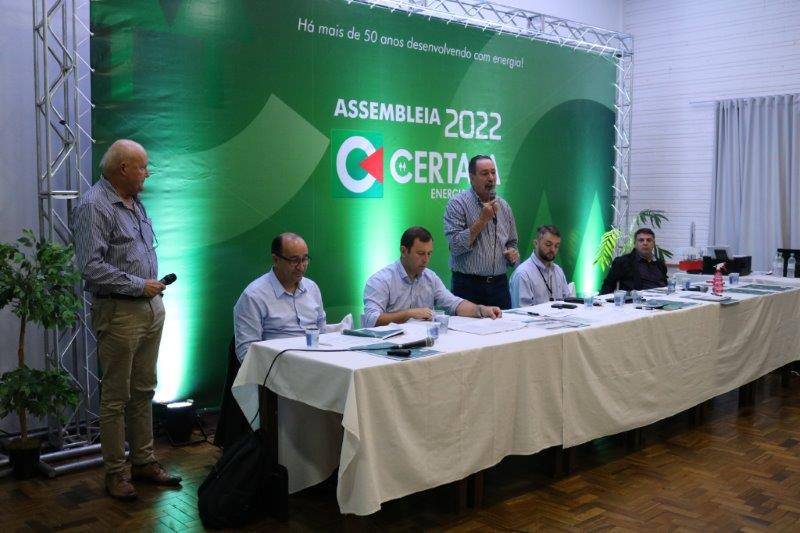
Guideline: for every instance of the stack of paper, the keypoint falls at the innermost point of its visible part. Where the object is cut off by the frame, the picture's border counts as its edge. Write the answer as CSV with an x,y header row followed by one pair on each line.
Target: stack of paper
x,y
484,326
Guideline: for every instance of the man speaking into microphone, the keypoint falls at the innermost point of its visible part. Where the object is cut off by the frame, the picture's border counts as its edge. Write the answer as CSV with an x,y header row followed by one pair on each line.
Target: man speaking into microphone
x,y
115,251
482,234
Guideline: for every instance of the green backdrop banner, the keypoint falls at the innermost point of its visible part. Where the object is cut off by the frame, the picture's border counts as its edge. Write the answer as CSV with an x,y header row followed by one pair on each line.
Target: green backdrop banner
x,y
344,124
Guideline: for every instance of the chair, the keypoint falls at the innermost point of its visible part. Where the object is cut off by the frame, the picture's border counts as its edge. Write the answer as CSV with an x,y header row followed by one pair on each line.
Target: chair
x,y
232,424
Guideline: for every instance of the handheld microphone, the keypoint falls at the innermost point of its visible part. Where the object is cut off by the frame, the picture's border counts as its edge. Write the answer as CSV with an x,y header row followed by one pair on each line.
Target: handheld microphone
x,y
492,198
168,279
422,343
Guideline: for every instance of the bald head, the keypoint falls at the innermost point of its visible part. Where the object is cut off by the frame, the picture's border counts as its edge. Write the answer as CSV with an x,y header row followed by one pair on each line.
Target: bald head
x,y
125,165
280,240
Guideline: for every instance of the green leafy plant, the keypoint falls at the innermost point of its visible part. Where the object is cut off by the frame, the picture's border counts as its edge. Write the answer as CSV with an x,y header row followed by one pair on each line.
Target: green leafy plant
x,y
38,392
615,242
37,280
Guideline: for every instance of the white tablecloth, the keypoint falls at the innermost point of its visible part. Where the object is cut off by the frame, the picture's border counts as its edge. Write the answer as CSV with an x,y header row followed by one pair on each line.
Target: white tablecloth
x,y
628,374
413,425
397,427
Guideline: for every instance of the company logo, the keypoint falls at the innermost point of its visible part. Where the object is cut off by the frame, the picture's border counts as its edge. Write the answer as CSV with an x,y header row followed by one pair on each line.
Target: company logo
x,y
357,164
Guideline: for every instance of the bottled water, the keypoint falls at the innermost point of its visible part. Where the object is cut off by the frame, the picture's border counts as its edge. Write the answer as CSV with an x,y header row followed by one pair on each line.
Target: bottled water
x,y
790,269
777,265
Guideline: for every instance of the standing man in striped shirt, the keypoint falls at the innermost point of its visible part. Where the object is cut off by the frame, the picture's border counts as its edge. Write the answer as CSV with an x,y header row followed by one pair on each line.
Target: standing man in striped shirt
x,y
482,234
115,251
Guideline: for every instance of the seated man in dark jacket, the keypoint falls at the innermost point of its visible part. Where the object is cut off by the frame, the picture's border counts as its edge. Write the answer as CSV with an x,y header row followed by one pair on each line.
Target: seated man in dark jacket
x,y
639,269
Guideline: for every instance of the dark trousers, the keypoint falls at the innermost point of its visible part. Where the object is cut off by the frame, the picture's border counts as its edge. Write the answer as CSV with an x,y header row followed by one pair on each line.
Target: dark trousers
x,y
484,290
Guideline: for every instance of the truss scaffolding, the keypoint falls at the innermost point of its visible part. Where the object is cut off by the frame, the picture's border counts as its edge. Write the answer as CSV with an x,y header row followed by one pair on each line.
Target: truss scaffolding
x,y
614,46
63,166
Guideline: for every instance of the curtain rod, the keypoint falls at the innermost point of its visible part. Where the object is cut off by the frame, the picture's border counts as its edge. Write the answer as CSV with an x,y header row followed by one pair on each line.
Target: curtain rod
x,y
704,102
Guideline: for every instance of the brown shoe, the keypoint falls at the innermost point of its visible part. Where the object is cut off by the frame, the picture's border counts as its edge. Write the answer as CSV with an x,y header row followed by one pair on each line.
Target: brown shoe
x,y
119,486
154,473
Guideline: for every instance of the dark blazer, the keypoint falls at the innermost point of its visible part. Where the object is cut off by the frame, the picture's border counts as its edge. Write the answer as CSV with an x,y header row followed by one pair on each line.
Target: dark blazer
x,y
623,270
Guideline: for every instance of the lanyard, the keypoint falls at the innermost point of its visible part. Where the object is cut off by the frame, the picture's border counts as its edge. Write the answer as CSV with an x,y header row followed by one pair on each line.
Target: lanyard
x,y
549,291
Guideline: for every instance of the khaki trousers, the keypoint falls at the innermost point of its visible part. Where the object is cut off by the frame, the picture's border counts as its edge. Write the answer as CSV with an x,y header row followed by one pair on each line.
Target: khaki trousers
x,y
128,334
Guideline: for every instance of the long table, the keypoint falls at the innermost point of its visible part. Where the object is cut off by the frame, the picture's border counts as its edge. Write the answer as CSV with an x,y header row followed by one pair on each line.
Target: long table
x,y
398,427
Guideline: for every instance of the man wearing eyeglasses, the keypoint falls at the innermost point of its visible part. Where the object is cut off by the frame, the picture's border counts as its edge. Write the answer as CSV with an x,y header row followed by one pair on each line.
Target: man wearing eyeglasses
x,y
282,302
115,252
407,289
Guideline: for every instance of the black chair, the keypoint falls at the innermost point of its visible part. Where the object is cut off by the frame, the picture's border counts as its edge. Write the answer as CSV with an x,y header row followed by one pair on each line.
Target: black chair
x,y
786,253
232,424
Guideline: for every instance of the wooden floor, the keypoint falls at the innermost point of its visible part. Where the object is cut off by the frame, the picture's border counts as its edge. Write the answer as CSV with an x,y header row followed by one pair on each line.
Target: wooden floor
x,y
738,470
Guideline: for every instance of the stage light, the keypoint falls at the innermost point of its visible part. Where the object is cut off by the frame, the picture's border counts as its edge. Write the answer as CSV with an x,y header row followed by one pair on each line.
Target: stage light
x,y
178,419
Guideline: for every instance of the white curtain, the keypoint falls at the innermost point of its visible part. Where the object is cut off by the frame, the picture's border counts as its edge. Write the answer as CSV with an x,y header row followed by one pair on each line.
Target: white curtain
x,y
756,204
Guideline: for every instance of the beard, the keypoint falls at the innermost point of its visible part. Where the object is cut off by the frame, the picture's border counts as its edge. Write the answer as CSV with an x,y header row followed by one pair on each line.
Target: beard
x,y
546,256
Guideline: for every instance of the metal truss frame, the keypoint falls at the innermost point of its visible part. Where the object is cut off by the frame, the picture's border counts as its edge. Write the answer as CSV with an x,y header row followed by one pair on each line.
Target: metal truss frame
x,y
615,46
63,167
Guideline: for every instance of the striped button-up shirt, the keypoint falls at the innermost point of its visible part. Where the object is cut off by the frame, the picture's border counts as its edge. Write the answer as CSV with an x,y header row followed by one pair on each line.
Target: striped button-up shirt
x,y
113,243
391,289
485,256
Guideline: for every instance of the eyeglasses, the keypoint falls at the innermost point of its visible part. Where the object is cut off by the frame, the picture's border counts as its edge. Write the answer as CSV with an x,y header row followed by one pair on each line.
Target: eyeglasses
x,y
296,261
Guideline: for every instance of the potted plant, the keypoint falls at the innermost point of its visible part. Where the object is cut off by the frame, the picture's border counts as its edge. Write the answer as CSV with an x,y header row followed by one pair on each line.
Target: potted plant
x,y
614,242
37,280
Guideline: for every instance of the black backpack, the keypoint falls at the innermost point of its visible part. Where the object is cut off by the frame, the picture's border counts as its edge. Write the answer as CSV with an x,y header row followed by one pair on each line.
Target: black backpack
x,y
237,489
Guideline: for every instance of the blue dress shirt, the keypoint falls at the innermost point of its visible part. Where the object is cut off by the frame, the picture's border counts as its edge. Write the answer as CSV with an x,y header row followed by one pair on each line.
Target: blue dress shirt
x,y
265,310
534,283
391,289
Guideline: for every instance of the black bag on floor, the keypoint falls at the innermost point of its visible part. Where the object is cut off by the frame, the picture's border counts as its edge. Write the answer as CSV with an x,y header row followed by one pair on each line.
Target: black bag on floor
x,y
235,491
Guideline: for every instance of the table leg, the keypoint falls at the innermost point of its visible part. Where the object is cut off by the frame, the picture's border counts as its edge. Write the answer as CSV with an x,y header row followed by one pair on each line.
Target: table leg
x,y
462,489
634,439
277,493
475,490
747,394
564,460
786,375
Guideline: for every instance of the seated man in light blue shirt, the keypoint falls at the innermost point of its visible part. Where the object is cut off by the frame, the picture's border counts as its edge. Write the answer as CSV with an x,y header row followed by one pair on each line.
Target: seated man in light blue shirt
x,y
538,279
406,289
281,302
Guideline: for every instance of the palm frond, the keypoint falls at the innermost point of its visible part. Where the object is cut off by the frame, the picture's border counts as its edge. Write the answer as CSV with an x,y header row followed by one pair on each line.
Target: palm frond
x,y
608,245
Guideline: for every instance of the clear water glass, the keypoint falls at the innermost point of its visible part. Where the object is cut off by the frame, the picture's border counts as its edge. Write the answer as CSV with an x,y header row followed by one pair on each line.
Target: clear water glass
x,y
619,298
312,336
671,285
433,330
443,320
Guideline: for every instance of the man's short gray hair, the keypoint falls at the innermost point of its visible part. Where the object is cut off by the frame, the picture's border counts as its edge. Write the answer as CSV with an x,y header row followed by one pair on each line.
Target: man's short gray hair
x,y
116,154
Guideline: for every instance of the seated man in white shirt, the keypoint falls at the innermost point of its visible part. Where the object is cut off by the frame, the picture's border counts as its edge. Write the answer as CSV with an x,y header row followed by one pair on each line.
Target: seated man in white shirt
x,y
538,279
282,302
406,289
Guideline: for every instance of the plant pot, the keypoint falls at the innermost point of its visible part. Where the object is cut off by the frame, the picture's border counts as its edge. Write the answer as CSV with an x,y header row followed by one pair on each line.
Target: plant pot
x,y
24,456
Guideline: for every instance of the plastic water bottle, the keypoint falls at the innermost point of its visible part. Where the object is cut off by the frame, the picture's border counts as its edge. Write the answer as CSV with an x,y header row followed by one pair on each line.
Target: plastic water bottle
x,y
777,265
790,268
717,286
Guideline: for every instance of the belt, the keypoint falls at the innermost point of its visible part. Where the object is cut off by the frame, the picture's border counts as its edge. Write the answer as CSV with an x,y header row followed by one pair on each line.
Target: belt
x,y
481,279
117,296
